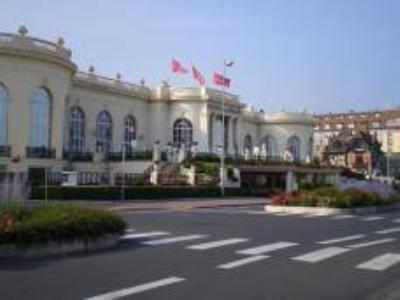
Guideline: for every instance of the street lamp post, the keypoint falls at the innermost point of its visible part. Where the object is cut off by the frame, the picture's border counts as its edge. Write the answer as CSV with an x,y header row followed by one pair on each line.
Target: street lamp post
x,y
123,173
222,161
388,152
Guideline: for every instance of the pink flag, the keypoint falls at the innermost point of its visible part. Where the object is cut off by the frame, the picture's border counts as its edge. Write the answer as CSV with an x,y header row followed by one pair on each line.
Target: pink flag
x,y
177,67
221,80
198,76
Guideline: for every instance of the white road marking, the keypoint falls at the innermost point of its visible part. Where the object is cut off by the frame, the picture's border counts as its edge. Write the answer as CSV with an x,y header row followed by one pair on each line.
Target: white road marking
x,y
342,239
143,235
137,289
315,215
341,217
372,243
256,212
129,230
175,239
216,244
241,262
281,214
373,218
322,254
381,262
396,220
389,230
266,248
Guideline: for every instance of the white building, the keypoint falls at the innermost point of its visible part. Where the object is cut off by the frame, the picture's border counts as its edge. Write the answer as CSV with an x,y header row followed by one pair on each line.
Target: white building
x,y
54,116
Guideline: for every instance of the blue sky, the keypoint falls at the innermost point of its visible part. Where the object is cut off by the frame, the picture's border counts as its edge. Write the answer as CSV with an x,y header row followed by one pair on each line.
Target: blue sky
x,y
320,55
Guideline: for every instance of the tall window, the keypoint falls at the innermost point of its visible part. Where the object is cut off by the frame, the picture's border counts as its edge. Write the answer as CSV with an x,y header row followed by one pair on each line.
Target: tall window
x,y
293,145
248,144
103,132
310,149
39,118
129,132
3,114
271,146
76,129
183,131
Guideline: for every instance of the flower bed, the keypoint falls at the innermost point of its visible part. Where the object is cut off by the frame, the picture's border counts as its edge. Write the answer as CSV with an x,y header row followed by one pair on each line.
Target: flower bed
x,y
332,197
26,228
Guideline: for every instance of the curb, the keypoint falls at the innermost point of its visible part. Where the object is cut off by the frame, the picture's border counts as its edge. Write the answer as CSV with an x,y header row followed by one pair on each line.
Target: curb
x,y
331,211
53,248
186,208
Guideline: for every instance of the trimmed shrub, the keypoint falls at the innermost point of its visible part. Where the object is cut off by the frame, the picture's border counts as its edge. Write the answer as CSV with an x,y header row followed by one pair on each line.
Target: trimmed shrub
x,y
25,227
350,174
145,192
208,168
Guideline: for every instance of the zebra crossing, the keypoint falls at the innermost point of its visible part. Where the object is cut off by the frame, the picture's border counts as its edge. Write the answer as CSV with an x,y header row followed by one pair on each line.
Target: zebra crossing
x,y
394,217
244,252
256,252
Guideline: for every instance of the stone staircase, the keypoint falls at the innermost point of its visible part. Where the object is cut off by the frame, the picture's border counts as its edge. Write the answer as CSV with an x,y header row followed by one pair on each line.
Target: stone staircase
x,y
170,174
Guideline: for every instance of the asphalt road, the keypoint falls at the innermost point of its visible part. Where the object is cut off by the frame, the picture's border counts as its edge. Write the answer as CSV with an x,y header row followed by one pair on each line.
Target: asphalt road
x,y
224,254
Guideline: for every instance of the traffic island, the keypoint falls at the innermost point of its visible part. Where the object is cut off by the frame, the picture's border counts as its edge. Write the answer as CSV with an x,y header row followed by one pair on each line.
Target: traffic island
x,y
56,230
330,200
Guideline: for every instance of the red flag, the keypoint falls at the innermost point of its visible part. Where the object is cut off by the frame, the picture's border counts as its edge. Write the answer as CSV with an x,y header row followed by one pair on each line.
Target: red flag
x,y
177,67
221,80
198,76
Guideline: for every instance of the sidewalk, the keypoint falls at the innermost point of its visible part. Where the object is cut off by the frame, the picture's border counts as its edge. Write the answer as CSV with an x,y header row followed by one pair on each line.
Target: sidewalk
x,y
165,204
188,204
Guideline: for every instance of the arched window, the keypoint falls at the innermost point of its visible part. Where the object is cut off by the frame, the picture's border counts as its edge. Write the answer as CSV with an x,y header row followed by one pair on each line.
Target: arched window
x,y
310,149
248,145
76,129
293,145
39,118
271,147
104,132
3,115
129,132
183,131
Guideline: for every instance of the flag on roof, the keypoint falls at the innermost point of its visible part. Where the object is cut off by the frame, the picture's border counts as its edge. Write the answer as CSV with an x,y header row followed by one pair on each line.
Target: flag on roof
x,y
221,80
177,67
198,76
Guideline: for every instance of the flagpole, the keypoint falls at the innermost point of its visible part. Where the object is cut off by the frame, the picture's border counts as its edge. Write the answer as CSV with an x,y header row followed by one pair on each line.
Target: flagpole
x,y
222,162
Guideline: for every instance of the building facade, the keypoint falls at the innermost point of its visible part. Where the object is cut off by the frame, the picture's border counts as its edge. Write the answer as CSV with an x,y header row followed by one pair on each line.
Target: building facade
x,y
54,116
384,125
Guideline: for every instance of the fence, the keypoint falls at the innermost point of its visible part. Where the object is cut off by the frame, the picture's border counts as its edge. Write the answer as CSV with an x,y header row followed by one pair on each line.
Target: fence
x,y
99,178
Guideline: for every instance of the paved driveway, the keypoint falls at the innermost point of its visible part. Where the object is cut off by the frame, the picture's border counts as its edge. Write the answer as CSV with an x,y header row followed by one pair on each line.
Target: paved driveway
x,y
226,253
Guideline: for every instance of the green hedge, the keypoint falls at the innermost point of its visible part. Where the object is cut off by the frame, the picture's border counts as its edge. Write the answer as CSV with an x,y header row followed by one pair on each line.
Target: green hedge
x,y
144,192
25,227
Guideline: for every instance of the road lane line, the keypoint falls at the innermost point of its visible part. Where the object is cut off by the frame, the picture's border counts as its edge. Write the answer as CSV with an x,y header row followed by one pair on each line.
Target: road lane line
x,y
371,243
342,239
241,262
143,235
388,230
373,218
341,217
216,244
321,254
175,239
380,263
256,212
281,214
266,248
137,289
315,215
396,220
